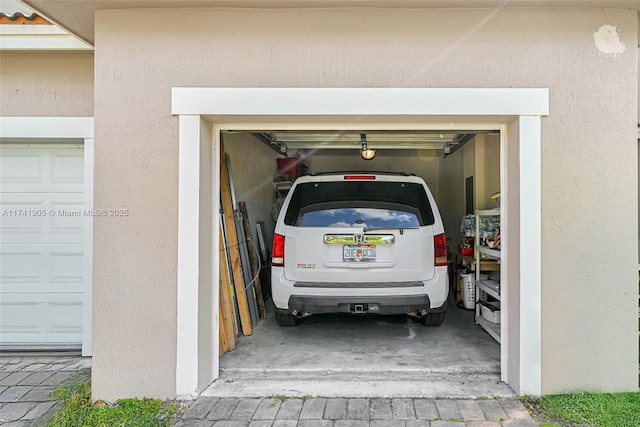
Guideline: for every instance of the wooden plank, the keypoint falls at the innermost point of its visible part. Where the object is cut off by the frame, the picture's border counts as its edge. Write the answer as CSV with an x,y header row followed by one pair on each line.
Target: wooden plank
x,y
265,257
228,317
253,258
232,290
232,241
487,265
244,252
262,240
246,270
224,343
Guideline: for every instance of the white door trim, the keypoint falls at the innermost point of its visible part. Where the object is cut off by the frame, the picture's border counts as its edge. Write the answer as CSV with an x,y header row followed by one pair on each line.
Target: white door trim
x,y
87,307
54,129
46,127
188,258
530,256
388,108
359,101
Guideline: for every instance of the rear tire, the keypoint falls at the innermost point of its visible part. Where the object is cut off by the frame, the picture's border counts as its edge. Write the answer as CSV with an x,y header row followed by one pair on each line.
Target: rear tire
x,y
433,319
286,319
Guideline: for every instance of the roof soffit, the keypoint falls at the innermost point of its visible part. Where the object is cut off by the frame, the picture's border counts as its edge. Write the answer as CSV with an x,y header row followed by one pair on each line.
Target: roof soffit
x,y
77,17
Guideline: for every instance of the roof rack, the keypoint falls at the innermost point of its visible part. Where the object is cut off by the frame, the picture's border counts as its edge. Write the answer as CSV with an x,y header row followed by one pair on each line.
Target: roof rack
x,y
363,172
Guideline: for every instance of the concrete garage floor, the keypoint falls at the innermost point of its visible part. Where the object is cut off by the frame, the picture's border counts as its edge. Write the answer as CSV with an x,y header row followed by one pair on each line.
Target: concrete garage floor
x,y
364,356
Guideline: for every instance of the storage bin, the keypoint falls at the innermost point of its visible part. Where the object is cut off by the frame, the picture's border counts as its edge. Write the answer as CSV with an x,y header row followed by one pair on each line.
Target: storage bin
x,y
491,311
292,166
465,251
468,288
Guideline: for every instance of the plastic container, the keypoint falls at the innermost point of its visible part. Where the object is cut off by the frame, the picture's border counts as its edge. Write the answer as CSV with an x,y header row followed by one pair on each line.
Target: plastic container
x,y
465,251
491,311
291,166
468,289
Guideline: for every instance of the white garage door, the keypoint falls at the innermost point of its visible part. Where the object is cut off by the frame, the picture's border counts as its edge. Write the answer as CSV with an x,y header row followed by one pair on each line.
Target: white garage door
x,y
41,245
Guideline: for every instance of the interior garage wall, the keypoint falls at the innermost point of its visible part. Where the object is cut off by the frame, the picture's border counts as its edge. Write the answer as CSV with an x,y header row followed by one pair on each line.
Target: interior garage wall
x,y
46,84
423,163
452,205
479,158
469,171
253,165
589,145
487,170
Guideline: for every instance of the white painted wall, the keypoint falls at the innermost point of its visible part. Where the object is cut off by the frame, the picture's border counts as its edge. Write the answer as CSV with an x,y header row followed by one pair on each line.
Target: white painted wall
x,y
487,170
511,250
253,165
452,203
207,299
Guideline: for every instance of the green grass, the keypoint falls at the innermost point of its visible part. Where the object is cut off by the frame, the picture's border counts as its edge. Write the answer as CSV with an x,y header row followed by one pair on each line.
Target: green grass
x,y
591,409
77,410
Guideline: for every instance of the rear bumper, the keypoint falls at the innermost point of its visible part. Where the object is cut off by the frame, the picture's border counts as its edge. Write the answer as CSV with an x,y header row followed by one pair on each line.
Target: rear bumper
x,y
360,304
393,297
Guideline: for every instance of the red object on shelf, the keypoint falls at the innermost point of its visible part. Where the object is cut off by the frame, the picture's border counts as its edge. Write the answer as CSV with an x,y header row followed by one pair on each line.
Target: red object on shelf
x,y
466,251
292,166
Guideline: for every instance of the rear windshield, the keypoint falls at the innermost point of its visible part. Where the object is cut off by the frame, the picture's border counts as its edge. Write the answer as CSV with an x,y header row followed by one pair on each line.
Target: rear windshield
x,y
359,203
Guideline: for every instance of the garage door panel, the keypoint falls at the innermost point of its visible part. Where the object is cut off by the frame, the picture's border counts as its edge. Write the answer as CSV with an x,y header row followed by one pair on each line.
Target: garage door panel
x,y
43,268
15,225
67,219
42,246
59,315
42,288
20,168
51,218
42,167
68,168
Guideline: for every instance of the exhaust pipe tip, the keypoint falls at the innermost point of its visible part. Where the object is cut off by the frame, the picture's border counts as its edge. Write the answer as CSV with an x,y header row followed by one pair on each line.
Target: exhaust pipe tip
x,y
420,313
300,314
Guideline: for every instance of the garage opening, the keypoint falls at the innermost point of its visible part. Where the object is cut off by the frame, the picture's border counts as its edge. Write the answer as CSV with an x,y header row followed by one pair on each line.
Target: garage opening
x,y
395,354
205,113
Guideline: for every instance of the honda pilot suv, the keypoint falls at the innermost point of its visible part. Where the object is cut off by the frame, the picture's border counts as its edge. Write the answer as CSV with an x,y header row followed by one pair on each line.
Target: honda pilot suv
x,y
359,243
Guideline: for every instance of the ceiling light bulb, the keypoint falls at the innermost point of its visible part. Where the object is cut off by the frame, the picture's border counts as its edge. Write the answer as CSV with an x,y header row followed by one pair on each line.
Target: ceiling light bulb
x,y
368,154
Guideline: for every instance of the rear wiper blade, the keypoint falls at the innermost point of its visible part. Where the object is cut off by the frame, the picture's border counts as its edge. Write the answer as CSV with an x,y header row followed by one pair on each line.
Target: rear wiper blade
x,y
389,228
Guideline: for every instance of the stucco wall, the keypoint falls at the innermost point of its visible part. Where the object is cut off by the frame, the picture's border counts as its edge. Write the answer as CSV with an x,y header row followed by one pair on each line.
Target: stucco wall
x,y
589,192
46,84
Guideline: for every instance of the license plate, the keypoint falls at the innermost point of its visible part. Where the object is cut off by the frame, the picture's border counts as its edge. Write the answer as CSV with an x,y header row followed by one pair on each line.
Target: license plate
x,y
359,253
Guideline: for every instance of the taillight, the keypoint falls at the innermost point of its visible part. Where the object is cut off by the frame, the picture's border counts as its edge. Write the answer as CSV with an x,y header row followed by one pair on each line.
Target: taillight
x,y
277,254
360,177
440,250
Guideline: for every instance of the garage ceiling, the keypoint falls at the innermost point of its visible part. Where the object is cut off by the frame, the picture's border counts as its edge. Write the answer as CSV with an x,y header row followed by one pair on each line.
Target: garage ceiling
x,y
287,141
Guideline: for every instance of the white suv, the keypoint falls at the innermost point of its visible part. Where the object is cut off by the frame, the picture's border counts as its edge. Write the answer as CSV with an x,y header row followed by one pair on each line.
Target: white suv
x,y
359,243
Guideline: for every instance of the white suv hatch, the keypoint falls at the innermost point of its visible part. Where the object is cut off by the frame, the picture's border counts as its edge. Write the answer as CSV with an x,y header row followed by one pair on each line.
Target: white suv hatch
x,y
361,239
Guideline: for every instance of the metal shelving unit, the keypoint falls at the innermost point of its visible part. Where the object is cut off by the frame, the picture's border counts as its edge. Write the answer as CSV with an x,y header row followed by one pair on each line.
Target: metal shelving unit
x,y
490,287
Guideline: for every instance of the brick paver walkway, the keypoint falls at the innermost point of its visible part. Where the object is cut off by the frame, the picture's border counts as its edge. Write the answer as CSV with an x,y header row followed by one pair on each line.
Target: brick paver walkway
x,y
341,412
26,384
